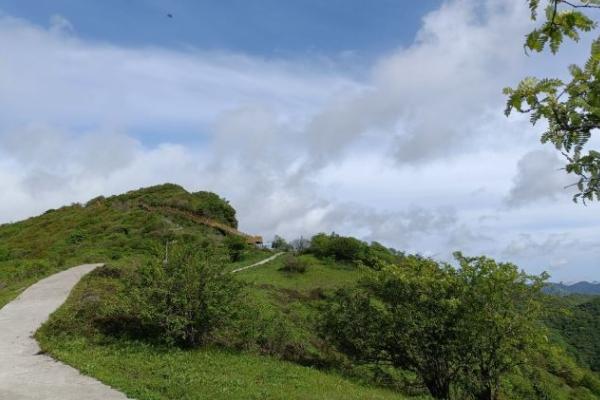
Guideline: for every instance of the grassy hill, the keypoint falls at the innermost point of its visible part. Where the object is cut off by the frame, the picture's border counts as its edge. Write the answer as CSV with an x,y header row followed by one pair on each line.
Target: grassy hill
x,y
116,229
272,349
579,325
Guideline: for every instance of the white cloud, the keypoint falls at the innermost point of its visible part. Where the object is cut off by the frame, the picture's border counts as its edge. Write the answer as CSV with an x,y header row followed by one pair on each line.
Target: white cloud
x,y
417,155
540,176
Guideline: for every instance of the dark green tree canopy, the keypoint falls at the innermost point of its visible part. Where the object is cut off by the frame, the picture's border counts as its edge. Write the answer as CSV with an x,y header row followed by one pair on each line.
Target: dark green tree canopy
x,y
571,109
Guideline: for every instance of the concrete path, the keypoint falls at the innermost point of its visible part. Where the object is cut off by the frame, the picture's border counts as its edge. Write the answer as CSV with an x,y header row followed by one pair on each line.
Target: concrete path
x,y
266,260
26,375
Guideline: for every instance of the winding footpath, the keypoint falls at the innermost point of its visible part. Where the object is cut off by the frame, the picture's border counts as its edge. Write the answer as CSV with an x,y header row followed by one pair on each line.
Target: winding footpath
x,y
24,373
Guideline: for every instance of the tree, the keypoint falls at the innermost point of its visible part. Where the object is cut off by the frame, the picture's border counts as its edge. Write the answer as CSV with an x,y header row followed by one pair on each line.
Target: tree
x,y
280,244
406,316
571,109
502,314
460,330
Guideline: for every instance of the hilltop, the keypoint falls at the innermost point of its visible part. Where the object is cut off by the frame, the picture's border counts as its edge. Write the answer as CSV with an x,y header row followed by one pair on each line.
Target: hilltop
x,y
119,228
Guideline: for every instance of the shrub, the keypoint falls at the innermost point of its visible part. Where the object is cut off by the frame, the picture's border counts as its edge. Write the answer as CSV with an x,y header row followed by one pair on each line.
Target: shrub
x,y
185,300
4,254
294,264
76,237
340,248
236,245
213,206
350,250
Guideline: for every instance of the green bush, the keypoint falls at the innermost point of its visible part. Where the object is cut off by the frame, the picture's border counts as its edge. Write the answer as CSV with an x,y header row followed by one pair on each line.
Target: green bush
x,y
236,245
4,254
338,247
294,264
181,302
351,250
76,237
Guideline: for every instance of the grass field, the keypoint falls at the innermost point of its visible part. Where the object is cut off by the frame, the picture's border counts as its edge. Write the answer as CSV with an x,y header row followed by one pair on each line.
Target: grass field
x,y
150,373
320,275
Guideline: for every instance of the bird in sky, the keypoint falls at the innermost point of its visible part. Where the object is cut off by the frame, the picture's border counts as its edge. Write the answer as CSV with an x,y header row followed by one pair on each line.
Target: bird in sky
x,y
170,15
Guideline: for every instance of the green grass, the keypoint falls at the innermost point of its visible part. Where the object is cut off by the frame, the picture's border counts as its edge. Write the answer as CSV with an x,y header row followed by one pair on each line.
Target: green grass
x,y
149,373
320,275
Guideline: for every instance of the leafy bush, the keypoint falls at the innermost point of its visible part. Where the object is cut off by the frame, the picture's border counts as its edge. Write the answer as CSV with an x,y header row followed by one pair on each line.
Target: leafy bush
x,y
76,237
351,250
185,300
340,248
211,205
294,264
4,254
236,245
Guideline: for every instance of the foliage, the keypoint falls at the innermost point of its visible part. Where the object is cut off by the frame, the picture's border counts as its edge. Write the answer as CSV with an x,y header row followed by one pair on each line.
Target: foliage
x,y
571,109
579,324
351,250
501,326
236,245
201,203
294,264
185,300
211,205
278,319
341,248
115,308
460,330
280,244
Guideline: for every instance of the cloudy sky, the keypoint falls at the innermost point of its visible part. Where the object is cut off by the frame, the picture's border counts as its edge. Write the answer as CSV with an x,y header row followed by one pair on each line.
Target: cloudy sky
x,y
382,120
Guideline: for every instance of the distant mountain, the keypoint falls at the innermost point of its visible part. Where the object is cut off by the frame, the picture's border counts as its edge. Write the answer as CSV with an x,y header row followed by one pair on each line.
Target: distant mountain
x,y
562,289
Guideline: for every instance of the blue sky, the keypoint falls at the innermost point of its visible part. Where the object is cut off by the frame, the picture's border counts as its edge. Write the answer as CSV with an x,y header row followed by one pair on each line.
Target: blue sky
x,y
261,27
378,119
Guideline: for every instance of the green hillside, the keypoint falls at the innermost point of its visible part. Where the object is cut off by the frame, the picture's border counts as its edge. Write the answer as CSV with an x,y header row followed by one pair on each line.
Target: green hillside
x,y
187,328
579,325
115,229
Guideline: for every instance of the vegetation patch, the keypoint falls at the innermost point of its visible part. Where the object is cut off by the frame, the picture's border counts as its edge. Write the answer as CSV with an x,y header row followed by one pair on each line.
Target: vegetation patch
x,y
350,319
